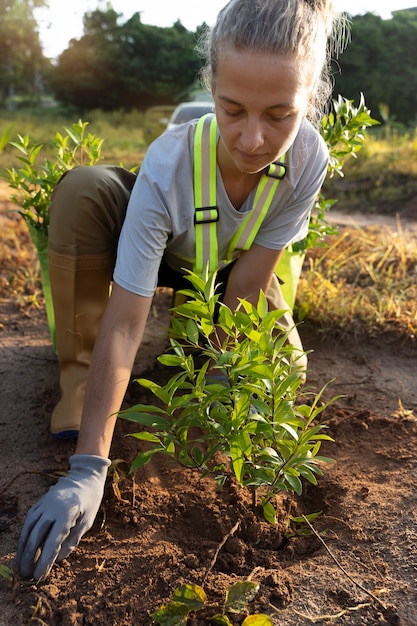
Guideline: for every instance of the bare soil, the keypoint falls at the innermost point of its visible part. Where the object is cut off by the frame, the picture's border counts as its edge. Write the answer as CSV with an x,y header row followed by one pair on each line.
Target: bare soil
x,y
169,528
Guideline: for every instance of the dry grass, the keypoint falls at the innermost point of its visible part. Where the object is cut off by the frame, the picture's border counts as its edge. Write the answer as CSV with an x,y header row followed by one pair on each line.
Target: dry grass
x,y
364,283
19,266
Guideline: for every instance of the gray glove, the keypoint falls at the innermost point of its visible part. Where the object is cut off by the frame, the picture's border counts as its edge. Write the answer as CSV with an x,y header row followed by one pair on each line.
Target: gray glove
x,y
56,523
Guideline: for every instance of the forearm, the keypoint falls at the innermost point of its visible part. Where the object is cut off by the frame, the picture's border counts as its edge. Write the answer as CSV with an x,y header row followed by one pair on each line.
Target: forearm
x,y
107,382
109,375
251,274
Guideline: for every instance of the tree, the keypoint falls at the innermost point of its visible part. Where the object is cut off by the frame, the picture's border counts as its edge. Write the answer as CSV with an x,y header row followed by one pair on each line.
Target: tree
x,y
379,62
133,65
21,58
87,73
160,62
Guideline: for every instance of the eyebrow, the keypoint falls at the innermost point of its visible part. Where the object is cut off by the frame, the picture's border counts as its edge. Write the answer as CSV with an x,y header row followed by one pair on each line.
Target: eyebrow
x,y
281,105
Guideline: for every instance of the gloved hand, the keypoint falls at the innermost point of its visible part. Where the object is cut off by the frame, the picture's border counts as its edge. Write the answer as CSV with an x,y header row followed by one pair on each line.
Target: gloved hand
x,y
56,523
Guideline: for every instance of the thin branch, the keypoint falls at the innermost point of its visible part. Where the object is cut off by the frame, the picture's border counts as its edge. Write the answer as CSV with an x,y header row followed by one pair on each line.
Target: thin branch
x,y
54,474
219,547
339,565
320,618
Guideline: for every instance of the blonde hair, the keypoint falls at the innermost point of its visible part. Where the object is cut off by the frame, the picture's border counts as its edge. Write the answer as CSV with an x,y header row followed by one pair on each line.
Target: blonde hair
x,y
309,29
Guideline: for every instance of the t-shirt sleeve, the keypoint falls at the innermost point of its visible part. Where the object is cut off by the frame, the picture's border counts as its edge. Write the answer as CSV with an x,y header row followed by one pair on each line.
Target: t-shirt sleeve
x,y
145,231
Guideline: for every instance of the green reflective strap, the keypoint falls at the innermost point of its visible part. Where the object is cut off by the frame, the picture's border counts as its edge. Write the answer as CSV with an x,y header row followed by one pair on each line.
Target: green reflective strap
x,y
206,214
246,233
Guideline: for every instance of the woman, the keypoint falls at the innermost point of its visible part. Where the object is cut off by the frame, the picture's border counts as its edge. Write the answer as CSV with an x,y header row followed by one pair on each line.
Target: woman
x,y
266,60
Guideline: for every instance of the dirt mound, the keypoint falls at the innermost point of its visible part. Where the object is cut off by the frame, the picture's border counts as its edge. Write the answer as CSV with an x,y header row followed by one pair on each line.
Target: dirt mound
x,y
169,528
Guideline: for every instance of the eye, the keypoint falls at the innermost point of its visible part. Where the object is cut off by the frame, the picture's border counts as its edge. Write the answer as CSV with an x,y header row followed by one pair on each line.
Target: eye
x,y
281,118
232,112
278,119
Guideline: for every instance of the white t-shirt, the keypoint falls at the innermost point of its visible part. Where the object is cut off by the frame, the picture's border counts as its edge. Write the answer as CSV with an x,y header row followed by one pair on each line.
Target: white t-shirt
x,y
160,215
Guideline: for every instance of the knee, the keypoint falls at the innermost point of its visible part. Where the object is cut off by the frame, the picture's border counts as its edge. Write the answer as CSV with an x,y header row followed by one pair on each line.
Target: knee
x,y
65,198
88,207
82,181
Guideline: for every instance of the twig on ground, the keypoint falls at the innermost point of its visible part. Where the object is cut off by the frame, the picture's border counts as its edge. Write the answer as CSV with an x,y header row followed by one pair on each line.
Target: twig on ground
x,y
52,474
219,547
340,566
319,618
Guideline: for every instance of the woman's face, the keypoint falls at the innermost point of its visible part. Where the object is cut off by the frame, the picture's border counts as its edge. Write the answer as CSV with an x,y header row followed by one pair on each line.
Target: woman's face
x,y
261,99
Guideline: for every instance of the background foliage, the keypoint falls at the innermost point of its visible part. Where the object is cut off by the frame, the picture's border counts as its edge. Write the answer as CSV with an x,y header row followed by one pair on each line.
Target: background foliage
x,y
379,62
132,65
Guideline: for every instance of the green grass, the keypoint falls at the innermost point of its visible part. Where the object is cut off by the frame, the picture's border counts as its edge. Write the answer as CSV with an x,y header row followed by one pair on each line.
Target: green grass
x,y
382,179
122,133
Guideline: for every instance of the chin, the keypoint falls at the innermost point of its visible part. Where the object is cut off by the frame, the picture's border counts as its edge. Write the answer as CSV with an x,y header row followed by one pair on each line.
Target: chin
x,y
251,169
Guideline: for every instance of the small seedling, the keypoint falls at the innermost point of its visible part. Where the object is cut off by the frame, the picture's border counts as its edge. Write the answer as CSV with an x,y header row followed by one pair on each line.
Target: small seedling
x,y
253,428
34,184
343,130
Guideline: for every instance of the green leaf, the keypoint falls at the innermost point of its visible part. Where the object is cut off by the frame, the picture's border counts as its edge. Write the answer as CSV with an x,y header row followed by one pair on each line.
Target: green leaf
x,y
146,437
269,511
239,595
193,596
263,306
307,474
193,333
237,459
310,518
146,419
257,620
6,572
290,430
197,455
294,482
156,389
171,614
171,360
171,448
144,457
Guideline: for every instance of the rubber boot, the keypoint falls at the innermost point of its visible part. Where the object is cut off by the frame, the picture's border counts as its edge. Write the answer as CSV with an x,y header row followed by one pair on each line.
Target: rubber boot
x,y
80,291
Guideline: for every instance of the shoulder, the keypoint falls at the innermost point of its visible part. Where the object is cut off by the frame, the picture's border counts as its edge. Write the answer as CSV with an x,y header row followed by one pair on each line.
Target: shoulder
x,y
172,142
169,158
310,142
308,156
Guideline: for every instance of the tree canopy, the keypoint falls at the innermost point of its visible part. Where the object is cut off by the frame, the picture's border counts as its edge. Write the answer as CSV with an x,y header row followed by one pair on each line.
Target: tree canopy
x,y
131,65
21,59
135,65
379,62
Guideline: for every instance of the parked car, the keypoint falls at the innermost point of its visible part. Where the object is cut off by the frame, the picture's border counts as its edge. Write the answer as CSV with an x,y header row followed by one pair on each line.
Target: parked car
x,y
155,122
187,111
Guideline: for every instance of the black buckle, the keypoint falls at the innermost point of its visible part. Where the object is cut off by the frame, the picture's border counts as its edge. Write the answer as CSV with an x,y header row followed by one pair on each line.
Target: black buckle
x,y
203,215
277,170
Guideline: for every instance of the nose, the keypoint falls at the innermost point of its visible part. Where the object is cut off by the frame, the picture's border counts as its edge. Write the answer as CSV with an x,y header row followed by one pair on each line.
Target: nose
x,y
251,136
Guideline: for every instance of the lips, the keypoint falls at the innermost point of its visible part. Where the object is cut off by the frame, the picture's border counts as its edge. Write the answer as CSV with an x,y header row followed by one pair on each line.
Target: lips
x,y
251,156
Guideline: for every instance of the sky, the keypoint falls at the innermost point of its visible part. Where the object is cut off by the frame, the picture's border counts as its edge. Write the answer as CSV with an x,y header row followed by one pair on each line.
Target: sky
x,y
63,20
